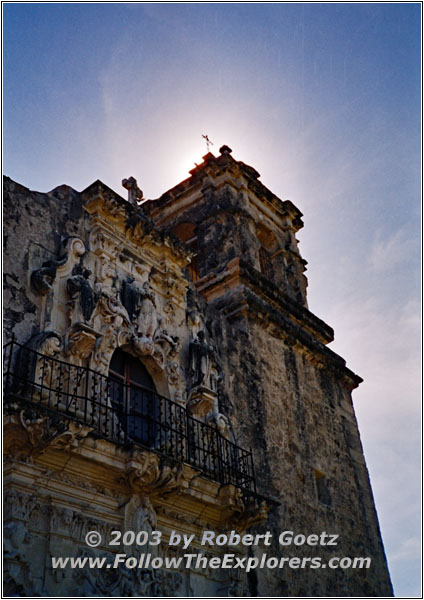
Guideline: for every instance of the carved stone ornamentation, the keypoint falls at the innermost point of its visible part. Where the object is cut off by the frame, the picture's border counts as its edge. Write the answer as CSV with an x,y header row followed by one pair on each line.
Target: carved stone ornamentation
x,y
80,340
245,511
108,317
32,370
172,371
224,426
105,272
19,505
122,582
18,578
202,373
168,345
42,279
195,323
147,473
130,297
140,515
51,431
201,401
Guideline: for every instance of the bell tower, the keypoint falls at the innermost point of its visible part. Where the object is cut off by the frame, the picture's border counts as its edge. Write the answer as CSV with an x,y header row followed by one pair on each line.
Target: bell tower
x,y
228,217
287,393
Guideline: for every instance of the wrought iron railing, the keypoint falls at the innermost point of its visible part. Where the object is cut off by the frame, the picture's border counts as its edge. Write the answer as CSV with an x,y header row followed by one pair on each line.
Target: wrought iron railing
x,y
124,414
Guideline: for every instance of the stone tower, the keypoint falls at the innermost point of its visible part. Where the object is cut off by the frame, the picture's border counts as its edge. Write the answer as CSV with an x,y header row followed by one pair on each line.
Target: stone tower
x,y
288,395
163,373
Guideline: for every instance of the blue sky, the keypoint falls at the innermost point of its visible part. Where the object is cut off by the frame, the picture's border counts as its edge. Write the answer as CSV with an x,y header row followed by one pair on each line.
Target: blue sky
x,y
322,99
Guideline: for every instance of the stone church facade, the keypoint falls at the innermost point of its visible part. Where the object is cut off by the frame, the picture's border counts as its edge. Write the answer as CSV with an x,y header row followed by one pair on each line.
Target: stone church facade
x,y
163,373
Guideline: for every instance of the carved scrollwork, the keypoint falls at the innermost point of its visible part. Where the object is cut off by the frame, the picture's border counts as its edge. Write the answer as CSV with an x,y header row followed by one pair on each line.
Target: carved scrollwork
x,y
147,473
247,511
42,279
80,340
109,316
51,431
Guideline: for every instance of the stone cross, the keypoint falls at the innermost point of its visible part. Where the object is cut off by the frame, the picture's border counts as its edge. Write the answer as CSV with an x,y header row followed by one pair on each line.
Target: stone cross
x,y
135,195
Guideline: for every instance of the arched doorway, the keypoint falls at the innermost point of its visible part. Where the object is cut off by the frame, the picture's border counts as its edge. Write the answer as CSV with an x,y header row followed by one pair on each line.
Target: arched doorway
x,y
134,398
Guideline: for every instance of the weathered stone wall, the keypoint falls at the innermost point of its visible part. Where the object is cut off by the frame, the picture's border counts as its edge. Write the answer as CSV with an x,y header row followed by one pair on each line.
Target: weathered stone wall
x,y
298,418
34,225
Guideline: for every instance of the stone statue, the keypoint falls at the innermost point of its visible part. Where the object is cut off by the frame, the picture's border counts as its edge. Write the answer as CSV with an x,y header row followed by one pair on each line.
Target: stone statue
x,y
147,321
82,299
201,356
223,426
130,297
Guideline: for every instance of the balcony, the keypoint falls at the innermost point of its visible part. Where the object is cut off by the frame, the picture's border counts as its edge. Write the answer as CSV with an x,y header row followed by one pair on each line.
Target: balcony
x,y
127,415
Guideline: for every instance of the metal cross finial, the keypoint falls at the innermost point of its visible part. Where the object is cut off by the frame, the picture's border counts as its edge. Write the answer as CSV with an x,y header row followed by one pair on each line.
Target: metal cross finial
x,y
208,142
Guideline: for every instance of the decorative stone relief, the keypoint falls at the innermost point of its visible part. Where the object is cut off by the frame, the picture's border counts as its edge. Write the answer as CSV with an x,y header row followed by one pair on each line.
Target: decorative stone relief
x,y
109,315
146,473
80,340
18,579
42,279
105,273
51,431
140,515
247,510
19,505
124,583
201,360
195,323
223,425
130,297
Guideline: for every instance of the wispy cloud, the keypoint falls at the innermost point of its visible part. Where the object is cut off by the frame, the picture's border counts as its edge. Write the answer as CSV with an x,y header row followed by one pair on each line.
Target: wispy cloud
x,y
390,251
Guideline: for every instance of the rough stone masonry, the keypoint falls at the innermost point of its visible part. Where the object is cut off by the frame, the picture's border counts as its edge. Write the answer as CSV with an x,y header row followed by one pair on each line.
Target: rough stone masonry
x,y
164,373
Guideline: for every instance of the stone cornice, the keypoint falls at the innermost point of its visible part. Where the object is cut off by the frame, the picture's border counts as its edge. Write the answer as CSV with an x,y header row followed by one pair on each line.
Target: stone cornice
x,y
215,172
240,290
102,202
237,271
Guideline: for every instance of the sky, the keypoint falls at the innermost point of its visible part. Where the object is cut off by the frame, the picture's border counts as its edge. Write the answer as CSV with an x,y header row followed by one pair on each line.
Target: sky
x,y
323,100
